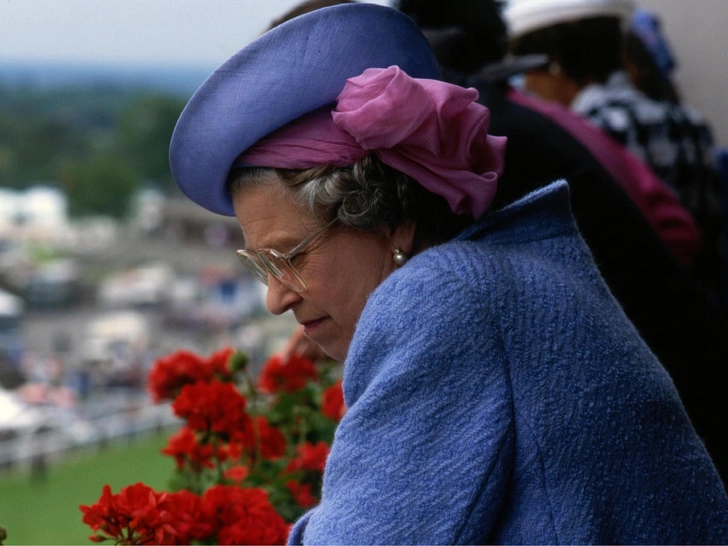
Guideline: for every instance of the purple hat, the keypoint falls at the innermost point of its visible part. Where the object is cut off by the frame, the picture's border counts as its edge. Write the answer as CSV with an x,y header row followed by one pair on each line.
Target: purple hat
x,y
291,70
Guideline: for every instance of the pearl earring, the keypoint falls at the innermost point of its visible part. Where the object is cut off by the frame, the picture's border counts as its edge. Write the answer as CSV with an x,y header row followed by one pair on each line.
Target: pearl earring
x,y
399,257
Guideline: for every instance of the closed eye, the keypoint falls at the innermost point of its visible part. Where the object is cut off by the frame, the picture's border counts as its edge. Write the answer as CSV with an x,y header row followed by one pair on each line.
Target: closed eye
x,y
298,259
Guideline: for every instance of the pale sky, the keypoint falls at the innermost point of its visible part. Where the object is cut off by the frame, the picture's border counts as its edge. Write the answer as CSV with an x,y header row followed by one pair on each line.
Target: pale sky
x,y
173,32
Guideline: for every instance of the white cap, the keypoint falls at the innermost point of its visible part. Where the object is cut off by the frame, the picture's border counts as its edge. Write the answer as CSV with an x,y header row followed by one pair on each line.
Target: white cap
x,y
523,16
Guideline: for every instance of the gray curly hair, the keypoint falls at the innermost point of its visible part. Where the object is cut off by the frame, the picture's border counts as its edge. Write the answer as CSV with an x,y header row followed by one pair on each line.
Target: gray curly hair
x,y
369,196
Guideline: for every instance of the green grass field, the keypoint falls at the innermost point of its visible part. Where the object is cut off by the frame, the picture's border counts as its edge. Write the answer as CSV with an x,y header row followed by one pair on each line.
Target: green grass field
x,y
46,512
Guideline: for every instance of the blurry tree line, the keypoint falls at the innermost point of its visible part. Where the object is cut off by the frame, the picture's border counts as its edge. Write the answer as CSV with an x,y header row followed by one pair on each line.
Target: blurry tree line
x,y
96,143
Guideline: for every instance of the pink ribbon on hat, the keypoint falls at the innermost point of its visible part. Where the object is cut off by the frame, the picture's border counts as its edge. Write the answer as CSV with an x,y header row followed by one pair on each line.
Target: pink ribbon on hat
x,y
433,131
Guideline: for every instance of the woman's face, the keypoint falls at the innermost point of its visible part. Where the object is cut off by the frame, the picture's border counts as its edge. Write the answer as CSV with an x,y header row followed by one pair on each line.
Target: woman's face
x,y
341,267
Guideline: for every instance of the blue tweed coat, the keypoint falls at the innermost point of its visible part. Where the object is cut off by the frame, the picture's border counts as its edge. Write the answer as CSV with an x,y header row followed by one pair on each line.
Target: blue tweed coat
x,y
497,393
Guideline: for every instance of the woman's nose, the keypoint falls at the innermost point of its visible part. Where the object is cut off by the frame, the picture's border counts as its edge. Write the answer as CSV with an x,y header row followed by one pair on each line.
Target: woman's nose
x,y
279,298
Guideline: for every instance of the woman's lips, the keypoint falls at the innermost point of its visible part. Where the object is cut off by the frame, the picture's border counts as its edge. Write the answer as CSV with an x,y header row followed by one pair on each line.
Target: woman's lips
x,y
311,325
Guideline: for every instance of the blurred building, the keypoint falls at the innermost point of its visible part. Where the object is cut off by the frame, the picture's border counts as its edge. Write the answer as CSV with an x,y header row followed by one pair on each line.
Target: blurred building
x,y
37,213
184,221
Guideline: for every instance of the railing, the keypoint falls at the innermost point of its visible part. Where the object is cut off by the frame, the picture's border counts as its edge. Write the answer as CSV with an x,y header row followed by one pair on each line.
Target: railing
x,y
34,450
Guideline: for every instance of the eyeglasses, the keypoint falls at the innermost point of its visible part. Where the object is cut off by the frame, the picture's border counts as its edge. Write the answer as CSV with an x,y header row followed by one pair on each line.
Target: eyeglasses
x,y
267,261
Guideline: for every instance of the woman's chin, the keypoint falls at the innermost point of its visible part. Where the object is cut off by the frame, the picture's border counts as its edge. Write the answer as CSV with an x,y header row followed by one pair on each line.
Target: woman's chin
x,y
329,340
333,351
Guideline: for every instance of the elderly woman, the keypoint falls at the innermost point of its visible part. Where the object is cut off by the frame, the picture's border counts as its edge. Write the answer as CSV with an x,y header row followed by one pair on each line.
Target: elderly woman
x,y
496,391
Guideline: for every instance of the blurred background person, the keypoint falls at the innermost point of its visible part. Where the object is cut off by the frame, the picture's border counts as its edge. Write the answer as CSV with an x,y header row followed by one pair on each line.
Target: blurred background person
x,y
584,42
650,62
648,57
469,40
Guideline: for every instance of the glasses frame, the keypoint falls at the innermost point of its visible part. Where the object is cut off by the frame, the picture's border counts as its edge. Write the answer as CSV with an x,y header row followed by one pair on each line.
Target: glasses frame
x,y
265,267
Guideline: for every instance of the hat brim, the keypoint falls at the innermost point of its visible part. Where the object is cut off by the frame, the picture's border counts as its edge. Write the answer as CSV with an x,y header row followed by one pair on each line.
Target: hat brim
x,y
499,72
289,71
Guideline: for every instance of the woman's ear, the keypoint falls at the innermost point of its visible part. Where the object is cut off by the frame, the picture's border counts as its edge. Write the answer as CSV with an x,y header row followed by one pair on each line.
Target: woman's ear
x,y
403,237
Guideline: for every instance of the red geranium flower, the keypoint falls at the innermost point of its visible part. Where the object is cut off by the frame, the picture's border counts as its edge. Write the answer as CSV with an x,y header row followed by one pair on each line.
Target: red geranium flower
x,y
243,516
272,441
290,376
187,517
172,372
233,450
301,493
213,407
219,364
185,448
219,434
136,515
309,457
332,405
237,473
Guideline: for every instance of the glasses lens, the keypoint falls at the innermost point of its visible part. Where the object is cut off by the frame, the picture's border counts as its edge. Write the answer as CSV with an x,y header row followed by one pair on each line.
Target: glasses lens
x,y
283,271
252,263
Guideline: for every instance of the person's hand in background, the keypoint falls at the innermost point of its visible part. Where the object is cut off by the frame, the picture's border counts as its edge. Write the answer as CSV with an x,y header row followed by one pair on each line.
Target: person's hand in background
x,y
299,344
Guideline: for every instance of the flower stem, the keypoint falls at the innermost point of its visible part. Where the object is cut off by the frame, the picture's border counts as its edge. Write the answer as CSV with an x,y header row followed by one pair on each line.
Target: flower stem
x,y
253,393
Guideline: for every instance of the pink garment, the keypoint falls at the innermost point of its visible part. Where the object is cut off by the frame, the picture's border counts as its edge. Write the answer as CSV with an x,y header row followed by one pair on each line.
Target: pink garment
x,y
657,201
433,131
